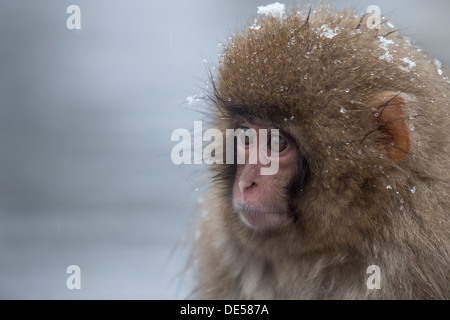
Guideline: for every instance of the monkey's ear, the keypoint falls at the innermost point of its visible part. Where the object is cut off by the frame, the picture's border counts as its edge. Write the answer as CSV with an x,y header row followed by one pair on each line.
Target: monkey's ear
x,y
391,122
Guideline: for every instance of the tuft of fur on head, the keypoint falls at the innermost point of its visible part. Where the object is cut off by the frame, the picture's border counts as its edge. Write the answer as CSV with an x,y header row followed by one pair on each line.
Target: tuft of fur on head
x,y
315,74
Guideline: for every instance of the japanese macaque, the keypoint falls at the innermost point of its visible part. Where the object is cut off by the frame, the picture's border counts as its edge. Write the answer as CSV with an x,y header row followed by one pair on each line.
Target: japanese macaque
x,y
364,165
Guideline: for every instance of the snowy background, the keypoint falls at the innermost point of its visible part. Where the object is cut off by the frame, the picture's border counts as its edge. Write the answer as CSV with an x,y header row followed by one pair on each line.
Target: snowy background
x,y
85,123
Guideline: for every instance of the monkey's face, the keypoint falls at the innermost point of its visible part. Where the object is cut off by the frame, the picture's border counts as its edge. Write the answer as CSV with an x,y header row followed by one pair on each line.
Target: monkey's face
x,y
261,201
342,113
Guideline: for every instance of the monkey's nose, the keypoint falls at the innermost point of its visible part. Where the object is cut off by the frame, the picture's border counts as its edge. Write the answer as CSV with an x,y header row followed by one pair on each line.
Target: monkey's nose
x,y
249,177
244,185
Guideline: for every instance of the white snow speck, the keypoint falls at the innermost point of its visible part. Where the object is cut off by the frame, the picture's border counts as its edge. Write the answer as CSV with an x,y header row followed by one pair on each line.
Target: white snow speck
x,y
327,32
342,110
255,25
384,45
204,214
276,10
387,56
390,25
192,99
439,66
413,190
411,64
437,63
389,187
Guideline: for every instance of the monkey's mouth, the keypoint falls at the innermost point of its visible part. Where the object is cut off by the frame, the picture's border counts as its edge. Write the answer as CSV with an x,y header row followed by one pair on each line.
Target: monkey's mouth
x,y
259,219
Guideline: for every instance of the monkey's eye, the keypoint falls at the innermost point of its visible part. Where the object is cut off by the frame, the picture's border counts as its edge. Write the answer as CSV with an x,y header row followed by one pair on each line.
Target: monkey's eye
x,y
280,143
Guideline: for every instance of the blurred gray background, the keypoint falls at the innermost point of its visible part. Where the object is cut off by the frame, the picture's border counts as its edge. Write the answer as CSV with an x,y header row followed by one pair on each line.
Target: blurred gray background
x,y
85,121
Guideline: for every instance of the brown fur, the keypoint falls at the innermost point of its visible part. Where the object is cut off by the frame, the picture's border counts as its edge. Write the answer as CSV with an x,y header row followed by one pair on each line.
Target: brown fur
x,y
357,207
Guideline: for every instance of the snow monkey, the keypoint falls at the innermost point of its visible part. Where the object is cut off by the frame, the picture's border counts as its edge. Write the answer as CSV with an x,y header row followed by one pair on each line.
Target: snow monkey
x,y
359,207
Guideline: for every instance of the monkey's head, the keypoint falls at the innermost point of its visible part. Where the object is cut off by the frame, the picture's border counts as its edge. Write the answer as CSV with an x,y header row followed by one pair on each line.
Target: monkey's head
x,y
345,99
